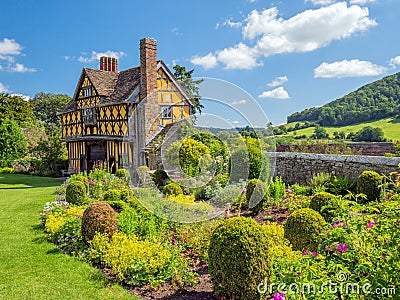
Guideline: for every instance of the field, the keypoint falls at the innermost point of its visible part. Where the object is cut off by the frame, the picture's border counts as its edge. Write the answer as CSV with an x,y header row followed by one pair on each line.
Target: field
x,y
390,127
31,267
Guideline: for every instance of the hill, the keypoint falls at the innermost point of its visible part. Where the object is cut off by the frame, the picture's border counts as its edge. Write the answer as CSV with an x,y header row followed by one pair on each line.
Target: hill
x,y
375,101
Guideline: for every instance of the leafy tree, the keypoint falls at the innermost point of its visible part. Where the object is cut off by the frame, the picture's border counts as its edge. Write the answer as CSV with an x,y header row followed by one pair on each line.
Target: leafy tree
x,y
16,108
370,134
12,142
320,133
190,86
45,107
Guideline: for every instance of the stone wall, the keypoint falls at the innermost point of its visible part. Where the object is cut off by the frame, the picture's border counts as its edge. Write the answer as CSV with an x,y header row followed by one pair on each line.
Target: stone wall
x,y
300,167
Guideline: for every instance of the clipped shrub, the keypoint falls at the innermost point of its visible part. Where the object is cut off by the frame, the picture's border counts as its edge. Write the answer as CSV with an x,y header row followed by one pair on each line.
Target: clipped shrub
x,y
172,189
324,203
369,183
118,199
99,217
238,258
75,193
221,178
160,177
82,179
302,229
259,189
123,174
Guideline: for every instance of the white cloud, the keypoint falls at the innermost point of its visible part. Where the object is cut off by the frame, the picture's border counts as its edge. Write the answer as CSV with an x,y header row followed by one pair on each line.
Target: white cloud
x,y
25,97
348,68
20,68
361,2
95,56
306,31
207,62
3,88
278,81
238,102
235,122
9,47
176,31
278,93
395,61
321,2
238,57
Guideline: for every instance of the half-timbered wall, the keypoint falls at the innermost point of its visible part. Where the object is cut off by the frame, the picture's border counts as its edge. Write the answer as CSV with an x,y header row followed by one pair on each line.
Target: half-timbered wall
x,y
75,150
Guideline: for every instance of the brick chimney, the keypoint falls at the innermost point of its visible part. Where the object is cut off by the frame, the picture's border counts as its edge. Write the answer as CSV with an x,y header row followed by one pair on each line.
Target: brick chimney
x,y
109,64
148,66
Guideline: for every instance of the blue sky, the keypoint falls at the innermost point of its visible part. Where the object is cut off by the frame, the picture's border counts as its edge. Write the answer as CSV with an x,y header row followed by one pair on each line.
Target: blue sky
x,y
288,55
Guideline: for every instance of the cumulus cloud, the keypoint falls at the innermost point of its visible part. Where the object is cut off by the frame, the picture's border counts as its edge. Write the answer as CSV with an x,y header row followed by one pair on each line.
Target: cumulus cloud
x,y
20,68
229,23
278,93
348,68
304,32
238,57
395,61
238,102
24,97
3,88
207,62
95,56
278,81
9,47
361,2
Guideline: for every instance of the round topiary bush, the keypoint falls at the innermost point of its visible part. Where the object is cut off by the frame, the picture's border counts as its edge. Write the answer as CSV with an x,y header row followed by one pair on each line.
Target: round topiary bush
x,y
302,229
368,183
324,203
259,189
222,179
172,189
238,258
75,193
160,177
123,174
99,217
84,180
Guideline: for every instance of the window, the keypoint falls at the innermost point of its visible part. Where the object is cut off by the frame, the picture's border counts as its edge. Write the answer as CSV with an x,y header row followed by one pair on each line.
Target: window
x,y
89,116
87,91
166,112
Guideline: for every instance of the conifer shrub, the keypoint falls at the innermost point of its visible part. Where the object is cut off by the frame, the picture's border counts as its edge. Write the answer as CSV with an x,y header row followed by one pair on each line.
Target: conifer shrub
x,y
118,199
238,258
172,189
82,179
99,217
302,229
123,174
75,193
324,203
369,183
259,189
160,177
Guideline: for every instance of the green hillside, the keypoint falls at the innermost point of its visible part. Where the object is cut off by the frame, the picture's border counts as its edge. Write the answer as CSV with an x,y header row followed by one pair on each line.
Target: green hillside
x,y
375,101
390,127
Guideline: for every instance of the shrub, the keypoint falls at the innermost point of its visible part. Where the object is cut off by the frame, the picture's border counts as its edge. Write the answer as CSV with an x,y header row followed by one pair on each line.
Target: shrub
x,y
75,193
6,170
302,229
172,189
259,189
369,183
278,245
238,258
160,177
123,174
277,190
319,182
118,199
98,217
221,178
324,203
82,179
341,186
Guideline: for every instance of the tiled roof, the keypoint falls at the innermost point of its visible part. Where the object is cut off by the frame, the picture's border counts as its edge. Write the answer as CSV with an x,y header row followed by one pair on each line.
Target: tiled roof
x,y
127,81
103,81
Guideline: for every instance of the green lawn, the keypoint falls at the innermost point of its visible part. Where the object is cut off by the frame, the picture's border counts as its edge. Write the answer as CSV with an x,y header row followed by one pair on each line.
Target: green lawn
x,y
390,127
31,267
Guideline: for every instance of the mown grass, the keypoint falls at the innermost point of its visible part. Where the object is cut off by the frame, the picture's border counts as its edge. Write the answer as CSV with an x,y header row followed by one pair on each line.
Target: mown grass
x,y
31,267
390,127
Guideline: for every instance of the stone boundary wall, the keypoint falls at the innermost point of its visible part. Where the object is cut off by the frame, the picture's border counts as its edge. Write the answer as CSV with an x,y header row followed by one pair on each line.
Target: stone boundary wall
x,y
300,167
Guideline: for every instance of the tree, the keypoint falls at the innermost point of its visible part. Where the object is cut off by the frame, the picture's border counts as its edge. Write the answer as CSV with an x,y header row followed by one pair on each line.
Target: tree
x,y
17,109
12,142
190,86
45,107
320,133
370,134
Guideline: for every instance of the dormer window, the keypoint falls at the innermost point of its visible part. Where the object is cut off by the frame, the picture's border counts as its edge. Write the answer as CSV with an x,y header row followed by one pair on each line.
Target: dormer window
x,y
87,91
166,112
89,116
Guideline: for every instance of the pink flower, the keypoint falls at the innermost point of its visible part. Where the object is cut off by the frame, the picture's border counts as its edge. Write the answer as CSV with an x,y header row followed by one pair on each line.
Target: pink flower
x,y
286,200
278,296
305,253
342,248
289,191
244,190
299,274
370,224
314,253
327,232
337,223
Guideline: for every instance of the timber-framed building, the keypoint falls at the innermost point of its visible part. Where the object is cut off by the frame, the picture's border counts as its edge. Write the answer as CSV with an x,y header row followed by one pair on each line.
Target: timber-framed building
x,y
113,116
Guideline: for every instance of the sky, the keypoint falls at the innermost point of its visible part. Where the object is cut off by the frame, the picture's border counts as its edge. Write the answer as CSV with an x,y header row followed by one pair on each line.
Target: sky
x,y
285,55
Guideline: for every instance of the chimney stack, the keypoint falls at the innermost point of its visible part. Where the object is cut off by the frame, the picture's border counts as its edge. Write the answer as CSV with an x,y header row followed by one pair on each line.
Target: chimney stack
x,y
109,64
148,66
